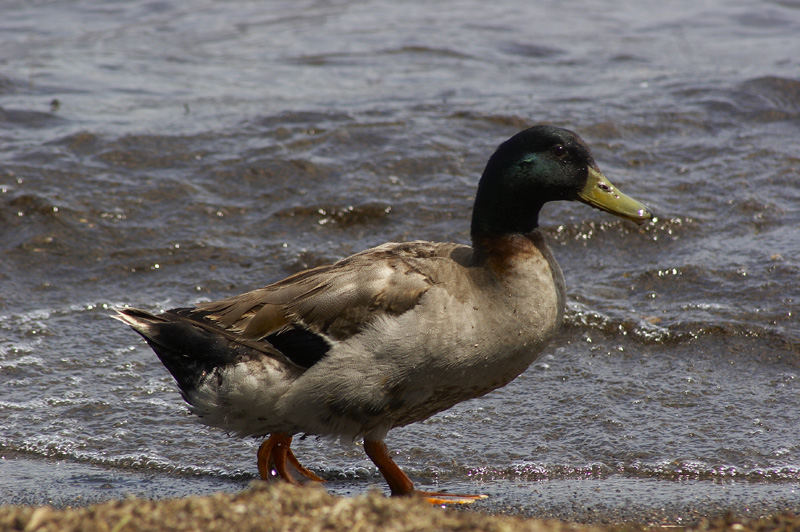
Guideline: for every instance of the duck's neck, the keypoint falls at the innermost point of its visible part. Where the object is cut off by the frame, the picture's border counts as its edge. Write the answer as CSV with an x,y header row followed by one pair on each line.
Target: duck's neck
x,y
496,216
502,228
504,250
499,208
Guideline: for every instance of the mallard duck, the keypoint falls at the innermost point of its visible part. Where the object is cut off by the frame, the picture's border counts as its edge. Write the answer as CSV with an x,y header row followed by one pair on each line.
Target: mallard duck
x,y
394,334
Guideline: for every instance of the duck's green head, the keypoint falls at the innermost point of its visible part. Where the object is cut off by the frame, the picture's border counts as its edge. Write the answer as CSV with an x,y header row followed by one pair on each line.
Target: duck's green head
x,y
537,165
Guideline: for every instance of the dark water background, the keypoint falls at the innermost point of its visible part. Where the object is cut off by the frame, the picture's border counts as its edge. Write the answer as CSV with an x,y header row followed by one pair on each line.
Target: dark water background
x,y
156,154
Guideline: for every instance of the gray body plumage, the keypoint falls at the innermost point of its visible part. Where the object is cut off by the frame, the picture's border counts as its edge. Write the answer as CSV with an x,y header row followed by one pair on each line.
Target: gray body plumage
x,y
411,328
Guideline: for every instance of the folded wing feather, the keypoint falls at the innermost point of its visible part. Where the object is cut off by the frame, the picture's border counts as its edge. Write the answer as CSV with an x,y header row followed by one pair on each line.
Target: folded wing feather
x,y
336,300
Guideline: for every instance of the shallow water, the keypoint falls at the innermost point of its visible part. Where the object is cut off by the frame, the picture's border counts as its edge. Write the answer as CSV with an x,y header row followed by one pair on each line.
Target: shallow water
x,y
154,155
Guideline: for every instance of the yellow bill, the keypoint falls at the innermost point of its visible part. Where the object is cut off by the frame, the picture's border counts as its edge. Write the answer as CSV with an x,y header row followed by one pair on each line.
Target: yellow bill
x,y
601,194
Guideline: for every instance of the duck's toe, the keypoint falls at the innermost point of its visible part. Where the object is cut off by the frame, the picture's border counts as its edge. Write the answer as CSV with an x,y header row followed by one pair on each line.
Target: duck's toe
x,y
302,470
276,453
435,497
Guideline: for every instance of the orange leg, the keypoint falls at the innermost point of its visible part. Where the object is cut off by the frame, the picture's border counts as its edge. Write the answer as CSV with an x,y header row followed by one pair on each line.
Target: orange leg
x,y
401,485
398,481
275,452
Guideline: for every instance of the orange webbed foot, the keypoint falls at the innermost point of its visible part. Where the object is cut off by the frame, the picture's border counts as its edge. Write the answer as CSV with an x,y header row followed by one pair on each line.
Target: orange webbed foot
x,y
437,498
401,485
276,453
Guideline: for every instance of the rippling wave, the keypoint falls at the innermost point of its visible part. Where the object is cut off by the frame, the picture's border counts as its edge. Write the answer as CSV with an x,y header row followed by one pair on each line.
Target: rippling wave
x,y
673,470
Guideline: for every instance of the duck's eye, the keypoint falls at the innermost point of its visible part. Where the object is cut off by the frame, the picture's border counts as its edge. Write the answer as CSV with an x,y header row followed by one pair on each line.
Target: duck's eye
x,y
560,151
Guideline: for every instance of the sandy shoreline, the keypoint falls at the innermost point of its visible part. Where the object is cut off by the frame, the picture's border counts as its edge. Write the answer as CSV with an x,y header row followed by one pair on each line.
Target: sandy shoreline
x,y
285,507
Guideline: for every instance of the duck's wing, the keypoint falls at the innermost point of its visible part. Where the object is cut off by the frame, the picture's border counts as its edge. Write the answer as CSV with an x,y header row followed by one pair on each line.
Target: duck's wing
x,y
303,314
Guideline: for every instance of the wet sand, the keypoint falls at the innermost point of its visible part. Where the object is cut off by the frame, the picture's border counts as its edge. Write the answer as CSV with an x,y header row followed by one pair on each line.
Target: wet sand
x,y
285,507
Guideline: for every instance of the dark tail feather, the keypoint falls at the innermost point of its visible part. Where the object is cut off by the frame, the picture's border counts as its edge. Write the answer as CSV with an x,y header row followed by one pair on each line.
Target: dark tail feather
x,y
189,352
